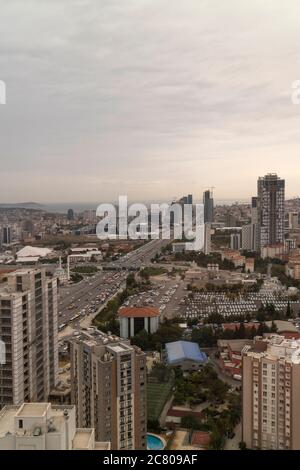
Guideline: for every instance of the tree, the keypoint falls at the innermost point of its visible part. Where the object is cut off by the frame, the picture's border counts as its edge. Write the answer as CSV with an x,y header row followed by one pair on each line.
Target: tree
x,y
273,327
289,312
142,340
130,281
217,440
242,445
204,336
190,422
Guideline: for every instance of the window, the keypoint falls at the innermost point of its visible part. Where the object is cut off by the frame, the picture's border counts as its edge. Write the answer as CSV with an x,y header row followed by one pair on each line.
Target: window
x,y
20,424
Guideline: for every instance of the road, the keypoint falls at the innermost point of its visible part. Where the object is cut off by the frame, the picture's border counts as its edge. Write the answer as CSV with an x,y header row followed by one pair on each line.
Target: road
x,y
85,298
141,256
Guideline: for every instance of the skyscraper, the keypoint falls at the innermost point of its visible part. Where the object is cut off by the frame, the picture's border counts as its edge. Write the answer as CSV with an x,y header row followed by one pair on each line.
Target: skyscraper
x,y
70,214
108,386
208,206
254,216
271,399
270,210
6,235
28,329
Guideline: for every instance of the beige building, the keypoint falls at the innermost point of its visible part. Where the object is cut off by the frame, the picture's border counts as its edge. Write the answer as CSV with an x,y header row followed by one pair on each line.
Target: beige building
x,y
293,266
40,426
271,394
108,387
28,330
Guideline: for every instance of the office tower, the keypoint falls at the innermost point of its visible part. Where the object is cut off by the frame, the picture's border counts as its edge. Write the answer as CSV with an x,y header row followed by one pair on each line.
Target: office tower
x,y
70,214
6,235
108,387
190,199
40,426
270,207
28,328
254,215
208,207
235,241
271,398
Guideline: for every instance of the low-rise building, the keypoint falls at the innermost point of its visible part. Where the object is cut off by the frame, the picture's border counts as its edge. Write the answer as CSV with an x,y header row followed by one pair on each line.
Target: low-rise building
x,y
185,354
293,267
42,426
231,354
249,265
135,319
179,247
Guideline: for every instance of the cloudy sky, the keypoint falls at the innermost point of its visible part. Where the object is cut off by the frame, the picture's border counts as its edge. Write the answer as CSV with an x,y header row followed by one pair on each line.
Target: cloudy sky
x,y
149,98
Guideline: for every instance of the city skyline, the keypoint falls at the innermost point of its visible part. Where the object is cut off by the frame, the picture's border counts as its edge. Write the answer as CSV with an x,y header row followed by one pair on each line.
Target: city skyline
x,y
149,229
137,99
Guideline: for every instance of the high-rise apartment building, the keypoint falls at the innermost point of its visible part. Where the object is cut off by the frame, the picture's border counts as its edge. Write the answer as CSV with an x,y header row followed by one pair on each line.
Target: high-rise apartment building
x,y
28,330
249,237
108,387
208,203
293,220
271,398
270,210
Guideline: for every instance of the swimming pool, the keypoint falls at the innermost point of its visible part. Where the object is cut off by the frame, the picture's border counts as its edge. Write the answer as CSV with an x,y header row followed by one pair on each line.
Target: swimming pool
x,y
155,442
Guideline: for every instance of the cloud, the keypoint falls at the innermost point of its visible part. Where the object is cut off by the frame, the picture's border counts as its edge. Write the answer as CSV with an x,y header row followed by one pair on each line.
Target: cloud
x,y
146,98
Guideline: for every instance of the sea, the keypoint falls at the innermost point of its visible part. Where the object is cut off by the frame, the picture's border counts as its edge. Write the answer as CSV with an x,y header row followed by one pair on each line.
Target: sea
x,y
63,207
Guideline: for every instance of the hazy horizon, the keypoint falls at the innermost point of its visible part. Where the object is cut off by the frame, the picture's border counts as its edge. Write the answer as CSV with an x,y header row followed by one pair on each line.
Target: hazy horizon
x,y
108,97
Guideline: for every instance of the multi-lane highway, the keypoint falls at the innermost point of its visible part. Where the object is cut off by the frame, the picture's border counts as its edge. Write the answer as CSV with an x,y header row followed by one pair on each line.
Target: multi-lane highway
x,y
88,296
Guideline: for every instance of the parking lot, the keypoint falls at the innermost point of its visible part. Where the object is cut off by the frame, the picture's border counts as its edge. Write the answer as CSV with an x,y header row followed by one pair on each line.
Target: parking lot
x,y
206,303
164,294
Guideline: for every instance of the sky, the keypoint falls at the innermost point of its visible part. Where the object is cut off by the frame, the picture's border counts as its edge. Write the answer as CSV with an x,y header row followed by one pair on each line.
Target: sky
x,y
148,98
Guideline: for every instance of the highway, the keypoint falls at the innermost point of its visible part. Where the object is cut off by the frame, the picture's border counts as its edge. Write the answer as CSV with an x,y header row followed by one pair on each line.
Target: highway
x,y
85,298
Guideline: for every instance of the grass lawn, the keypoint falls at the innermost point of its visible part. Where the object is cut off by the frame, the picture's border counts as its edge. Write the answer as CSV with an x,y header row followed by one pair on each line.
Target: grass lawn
x,y
157,396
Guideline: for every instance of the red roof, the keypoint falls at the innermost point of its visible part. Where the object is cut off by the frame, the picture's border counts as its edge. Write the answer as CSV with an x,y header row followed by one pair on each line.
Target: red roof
x,y
136,312
182,413
200,439
235,326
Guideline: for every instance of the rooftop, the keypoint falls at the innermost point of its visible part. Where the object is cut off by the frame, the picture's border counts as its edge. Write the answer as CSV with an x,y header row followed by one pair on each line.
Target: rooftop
x,y
276,347
184,350
82,438
138,312
33,251
200,439
33,409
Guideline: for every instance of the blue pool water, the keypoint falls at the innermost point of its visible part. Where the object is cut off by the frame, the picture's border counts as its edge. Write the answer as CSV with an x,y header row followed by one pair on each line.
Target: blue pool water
x,y
154,442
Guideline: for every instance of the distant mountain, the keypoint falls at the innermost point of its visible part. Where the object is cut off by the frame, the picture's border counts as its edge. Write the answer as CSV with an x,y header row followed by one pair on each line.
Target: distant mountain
x,y
21,205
